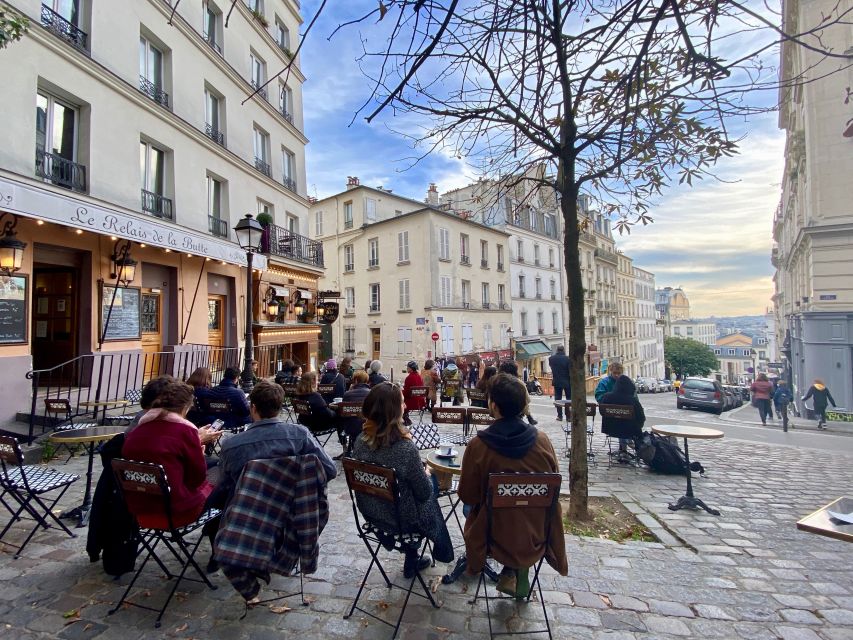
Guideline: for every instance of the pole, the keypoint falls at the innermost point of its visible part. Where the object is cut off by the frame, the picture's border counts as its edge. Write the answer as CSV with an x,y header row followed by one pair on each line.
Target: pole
x,y
249,347
434,350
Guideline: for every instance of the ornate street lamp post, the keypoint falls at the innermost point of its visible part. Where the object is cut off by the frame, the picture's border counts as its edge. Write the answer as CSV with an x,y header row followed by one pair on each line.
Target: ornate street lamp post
x,y
249,232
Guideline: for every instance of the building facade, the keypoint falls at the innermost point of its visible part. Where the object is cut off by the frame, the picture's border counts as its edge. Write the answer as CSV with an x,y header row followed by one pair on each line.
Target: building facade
x,y
650,354
699,330
813,225
737,363
672,304
130,136
626,302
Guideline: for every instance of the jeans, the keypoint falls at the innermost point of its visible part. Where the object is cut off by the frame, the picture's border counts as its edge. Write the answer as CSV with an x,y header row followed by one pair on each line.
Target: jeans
x,y
764,409
559,390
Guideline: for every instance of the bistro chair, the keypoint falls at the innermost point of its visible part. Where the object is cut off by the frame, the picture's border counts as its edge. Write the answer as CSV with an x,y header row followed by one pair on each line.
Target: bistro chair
x,y
479,396
452,416
522,494
302,408
420,392
348,412
367,481
287,405
617,412
478,418
327,390
591,410
58,410
133,396
24,485
135,478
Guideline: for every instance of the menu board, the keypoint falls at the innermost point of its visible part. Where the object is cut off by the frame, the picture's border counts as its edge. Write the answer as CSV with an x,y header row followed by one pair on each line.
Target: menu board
x,y
124,319
13,309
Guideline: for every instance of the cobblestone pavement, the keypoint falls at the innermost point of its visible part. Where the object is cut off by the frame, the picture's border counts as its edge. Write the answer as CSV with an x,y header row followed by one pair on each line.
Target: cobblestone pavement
x,y
746,574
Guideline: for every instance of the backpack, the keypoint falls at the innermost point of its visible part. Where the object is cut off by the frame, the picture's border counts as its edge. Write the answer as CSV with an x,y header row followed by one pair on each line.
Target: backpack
x,y
664,456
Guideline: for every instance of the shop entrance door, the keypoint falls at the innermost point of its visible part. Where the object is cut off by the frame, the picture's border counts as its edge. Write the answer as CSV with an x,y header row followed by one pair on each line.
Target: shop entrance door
x,y
215,320
152,331
54,316
376,342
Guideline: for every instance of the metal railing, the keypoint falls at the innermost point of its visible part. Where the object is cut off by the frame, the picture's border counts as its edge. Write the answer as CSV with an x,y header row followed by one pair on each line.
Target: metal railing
x,y
487,305
465,260
157,205
260,88
289,183
263,166
153,91
60,171
217,226
500,266
281,242
62,28
484,264
372,262
608,256
286,114
522,220
214,134
374,308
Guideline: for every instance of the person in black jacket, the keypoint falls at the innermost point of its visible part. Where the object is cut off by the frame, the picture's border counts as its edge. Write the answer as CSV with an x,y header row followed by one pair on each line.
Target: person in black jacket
x,y
228,390
560,366
624,392
350,428
820,394
333,376
321,417
376,376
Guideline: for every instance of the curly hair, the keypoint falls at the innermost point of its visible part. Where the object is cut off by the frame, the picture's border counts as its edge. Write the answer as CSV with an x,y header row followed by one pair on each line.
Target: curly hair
x,y
175,397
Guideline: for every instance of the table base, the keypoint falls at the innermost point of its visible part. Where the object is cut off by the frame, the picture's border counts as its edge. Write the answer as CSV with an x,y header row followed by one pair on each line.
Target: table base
x,y
692,502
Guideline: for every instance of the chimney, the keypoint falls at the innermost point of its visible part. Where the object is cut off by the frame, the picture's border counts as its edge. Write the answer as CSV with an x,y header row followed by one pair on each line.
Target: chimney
x,y
432,195
352,182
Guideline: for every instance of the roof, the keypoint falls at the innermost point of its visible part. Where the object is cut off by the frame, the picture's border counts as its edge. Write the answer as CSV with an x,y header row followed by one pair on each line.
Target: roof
x,y
530,348
373,189
441,212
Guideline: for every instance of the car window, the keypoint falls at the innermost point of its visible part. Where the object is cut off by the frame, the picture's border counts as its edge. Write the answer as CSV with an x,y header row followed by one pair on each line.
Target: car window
x,y
704,385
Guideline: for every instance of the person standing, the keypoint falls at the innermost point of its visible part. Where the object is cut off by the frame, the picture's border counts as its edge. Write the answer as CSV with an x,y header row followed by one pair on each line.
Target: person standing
x,y
431,381
413,379
819,393
762,390
560,369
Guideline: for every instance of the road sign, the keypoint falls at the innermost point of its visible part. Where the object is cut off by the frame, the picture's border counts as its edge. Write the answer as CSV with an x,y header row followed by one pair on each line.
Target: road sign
x,y
434,337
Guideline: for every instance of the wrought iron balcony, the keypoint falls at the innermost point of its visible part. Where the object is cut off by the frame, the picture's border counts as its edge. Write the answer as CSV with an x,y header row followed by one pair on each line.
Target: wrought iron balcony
x,y
372,263
260,88
500,266
465,260
60,171
217,226
281,242
484,264
62,28
214,134
374,308
289,183
607,256
263,167
153,91
157,205
286,114
487,305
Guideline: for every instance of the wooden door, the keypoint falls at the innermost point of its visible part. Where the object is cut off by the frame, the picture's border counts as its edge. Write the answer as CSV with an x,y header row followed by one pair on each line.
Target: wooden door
x,y
215,320
54,316
376,340
152,332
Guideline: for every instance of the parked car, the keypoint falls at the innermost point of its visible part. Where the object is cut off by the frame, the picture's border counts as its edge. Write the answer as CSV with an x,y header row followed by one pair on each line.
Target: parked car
x,y
647,385
701,393
665,385
744,393
730,398
735,391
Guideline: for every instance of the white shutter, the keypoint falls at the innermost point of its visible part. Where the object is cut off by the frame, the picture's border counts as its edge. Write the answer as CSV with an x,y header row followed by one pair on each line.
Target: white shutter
x,y
403,246
444,244
404,294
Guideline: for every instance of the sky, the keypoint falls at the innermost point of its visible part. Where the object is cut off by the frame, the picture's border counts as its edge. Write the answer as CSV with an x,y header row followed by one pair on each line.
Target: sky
x,y
713,239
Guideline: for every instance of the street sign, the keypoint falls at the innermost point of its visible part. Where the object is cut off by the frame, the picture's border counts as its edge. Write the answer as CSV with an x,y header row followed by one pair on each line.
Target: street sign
x,y
435,337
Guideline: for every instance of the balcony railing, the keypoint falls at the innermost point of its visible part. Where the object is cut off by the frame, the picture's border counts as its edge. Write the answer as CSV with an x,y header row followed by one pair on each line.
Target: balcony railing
x,y
484,264
374,308
263,167
153,91
157,205
536,262
60,171
348,224
372,263
289,183
522,293
520,258
487,305
213,44
539,226
214,134
62,28
281,242
538,295
503,305
217,226
465,260
500,266
258,86
286,114
607,256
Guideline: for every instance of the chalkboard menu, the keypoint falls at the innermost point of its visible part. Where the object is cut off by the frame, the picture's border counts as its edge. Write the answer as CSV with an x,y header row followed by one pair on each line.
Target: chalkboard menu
x,y
124,318
13,309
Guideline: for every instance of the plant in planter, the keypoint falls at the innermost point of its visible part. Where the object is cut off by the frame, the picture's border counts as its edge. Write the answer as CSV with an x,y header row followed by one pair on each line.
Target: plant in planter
x,y
266,220
257,15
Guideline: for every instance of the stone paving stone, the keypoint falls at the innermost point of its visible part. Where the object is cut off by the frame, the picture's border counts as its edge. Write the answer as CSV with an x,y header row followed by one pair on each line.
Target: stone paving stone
x,y
663,624
666,608
796,633
799,616
711,611
838,616
622,620
793,601
627,602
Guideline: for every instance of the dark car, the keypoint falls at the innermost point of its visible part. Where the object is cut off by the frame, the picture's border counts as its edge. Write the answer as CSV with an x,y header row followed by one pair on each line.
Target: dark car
x,y
701,393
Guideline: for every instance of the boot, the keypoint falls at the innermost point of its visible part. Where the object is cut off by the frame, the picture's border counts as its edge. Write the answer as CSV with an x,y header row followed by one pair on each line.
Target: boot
x,y
414,563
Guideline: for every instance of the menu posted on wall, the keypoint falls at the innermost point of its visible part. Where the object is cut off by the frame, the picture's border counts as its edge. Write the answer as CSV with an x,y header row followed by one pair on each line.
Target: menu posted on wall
x,y
13,309
122,323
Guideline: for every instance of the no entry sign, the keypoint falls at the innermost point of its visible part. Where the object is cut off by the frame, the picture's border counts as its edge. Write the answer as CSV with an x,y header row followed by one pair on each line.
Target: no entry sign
x,y
435,336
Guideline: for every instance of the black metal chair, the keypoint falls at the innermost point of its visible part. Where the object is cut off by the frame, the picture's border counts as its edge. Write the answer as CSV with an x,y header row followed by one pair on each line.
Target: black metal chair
x,y
133,396
478,418
377,482
477,396
618,412
25,485
61,417
348,412
591,410
302,408
452,416
523,494
420,392
135,478
287,406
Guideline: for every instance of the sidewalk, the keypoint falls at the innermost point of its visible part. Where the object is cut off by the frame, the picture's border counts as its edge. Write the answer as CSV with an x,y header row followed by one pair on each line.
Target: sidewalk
x,y
746,574
749,415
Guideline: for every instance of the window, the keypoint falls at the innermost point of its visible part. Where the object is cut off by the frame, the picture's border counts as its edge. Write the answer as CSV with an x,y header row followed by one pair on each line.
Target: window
x,y
282,36
485,292
347,215
292,223
540,322
211,28
689,331
212,117
152,163
467,338
503,338
258,71
524,323
373,252
487,336
404,341
464,248
349,296
445,291
718,352
56,143
484,253
553,289
466,293
261,142
443,244
285,101
404,295
318,223
265,208
370,209
536,254
555,324
151,80
403,246
551,257
447,343
538,287
288,169
501,295
732,352
215,222
349,258
521,291
374,297
500,257
349,338
519,250
255,5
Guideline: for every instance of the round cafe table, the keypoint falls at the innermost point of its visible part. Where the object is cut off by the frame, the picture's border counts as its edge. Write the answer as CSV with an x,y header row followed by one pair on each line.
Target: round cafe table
x,y
688,500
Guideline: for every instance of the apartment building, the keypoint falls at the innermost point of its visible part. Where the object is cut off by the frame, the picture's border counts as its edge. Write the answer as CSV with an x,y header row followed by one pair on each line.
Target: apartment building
x,y
699,330
626,304
606,309
131,147
650,351
813,225
407,269
672,305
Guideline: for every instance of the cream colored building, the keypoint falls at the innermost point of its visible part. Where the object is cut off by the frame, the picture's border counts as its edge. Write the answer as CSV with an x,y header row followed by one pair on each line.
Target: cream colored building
x,y
704,332
650,352
813,226
406,270
626,303
606,309
127,128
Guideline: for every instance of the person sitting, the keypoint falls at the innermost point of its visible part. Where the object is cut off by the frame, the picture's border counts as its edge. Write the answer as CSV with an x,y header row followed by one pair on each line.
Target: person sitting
x,y
385,441
511,368
624,392
483,385
413,379
451,374
287,374
228,390
508,445
614,370
375,376
333,376
350,428
322,417
199,380
164,436
347,370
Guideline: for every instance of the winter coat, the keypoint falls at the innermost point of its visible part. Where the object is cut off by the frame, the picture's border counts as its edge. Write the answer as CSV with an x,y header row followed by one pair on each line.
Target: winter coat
x,y
560,366
413,380
761,390
782,396
604,385
376,378
820,394
624,393
337,379
451,373
322,418
431,380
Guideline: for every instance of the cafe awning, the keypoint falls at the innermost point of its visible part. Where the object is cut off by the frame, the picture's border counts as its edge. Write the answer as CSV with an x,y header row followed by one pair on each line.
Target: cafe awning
x,y
531,348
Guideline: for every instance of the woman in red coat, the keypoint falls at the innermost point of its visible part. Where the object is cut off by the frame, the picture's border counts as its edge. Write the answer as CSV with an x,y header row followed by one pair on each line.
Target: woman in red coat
x,y
164,436
414,403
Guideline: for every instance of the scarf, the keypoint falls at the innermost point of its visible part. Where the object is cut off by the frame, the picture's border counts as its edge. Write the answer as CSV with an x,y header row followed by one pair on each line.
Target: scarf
x,y
168,416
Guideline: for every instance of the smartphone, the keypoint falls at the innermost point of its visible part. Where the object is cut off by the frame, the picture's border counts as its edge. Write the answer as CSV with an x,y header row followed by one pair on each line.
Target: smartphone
x,y
217,425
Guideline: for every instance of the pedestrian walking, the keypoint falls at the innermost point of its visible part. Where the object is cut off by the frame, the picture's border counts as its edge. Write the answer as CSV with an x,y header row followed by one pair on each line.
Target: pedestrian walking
x,y
431,381
819,394
782,397
761,391
560,366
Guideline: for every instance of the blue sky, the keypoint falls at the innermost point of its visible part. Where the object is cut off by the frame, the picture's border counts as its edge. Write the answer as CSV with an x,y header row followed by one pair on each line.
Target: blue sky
x,y
713,239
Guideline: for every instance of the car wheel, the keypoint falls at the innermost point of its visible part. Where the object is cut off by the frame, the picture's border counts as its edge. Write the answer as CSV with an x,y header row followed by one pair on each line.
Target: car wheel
x,y
718,411
679,405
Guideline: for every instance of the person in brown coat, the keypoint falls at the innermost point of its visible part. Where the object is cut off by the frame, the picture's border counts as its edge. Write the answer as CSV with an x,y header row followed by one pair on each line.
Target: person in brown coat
x,y
509,444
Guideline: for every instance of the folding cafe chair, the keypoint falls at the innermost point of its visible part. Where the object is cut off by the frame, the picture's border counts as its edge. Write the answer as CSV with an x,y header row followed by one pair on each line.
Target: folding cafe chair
x,y
478,418
303,408
477,395
591,408
58,410
347,411
420,392
519,496
135,478
367,481
617,412
24,485
452,416
133,396
287,406
327,391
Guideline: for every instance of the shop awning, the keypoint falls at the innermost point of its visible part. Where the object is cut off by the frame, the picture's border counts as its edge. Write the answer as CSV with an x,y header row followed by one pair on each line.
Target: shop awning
x,y
530,349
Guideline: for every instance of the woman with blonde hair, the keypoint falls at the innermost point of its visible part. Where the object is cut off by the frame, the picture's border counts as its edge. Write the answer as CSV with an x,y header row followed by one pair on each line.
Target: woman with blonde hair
x,y
386,441
820,394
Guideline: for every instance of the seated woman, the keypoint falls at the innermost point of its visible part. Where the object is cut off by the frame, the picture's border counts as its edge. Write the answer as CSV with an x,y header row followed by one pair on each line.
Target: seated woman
x,y
350,428
322,418
483,385
164,436
199,380
385,441
624,392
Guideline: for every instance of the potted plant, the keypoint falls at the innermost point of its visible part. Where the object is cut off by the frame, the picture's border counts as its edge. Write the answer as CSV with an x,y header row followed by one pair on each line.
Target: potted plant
x,y
266,220
257,15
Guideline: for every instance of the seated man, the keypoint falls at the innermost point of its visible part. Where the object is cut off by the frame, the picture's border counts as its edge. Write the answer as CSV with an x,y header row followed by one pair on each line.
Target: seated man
x,y
509,445
287,374
228,390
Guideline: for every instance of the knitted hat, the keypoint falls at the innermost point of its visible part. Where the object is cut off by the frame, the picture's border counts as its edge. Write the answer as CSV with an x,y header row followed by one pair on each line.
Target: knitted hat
x,y
412,365
331,364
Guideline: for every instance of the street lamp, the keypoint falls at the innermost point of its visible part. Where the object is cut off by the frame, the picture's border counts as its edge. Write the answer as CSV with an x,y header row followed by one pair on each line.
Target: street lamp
x,y
11,249
510,334
249,232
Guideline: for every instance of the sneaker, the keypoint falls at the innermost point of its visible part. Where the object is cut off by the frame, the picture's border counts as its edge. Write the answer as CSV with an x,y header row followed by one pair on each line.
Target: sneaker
x,y
559,418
